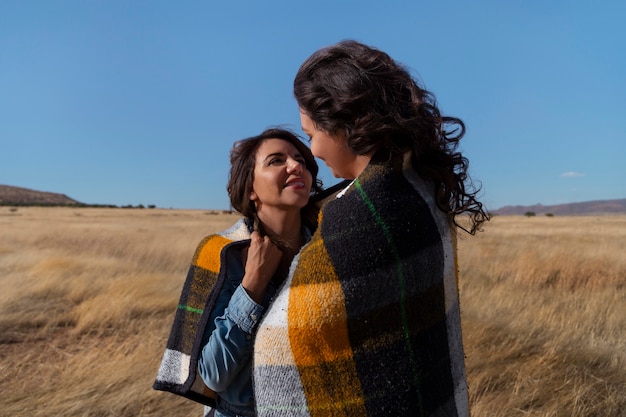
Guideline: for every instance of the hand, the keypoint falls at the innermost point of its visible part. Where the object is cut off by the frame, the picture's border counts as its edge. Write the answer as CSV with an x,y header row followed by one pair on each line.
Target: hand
x,y
260,266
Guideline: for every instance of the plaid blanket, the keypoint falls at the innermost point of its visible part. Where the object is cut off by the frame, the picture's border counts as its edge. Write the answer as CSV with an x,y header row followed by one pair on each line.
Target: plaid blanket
x,y
368,321
178,371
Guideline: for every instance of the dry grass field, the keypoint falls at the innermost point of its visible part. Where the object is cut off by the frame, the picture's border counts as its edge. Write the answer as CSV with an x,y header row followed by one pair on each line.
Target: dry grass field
x,y
87,298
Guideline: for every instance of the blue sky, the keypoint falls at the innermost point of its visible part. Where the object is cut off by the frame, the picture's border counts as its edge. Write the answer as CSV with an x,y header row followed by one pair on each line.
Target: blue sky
x,y
139,101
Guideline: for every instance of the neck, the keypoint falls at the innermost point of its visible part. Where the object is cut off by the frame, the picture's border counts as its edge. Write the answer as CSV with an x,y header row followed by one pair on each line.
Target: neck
x,y
283,226
359,164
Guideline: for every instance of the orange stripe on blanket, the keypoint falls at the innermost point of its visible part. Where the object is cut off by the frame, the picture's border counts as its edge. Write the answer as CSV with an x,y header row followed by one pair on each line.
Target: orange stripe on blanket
x,y
318,334
209,255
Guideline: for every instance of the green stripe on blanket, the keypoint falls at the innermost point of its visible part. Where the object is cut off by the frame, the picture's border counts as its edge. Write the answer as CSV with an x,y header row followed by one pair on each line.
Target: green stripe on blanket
x,y
401,280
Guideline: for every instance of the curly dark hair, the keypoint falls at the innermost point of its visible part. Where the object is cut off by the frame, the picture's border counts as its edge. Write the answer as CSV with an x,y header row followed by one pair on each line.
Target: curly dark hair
x,y
241,176
360,93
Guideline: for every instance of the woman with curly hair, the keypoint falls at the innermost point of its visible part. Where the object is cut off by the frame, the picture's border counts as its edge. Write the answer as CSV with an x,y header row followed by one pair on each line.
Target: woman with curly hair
x,y
368,320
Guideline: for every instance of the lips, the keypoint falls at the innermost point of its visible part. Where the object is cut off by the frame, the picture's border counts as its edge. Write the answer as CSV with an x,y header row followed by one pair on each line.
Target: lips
x,y
296,183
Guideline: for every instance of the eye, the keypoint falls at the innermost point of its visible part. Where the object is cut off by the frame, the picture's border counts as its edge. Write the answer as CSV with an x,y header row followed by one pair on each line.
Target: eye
x,y
275,161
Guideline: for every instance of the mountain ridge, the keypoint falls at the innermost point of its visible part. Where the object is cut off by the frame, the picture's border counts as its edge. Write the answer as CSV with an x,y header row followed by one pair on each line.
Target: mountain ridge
x,y
19,196
616,206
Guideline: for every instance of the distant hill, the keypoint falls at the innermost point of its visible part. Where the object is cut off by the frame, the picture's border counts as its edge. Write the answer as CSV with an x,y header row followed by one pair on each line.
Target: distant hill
x,y
570,209
17,196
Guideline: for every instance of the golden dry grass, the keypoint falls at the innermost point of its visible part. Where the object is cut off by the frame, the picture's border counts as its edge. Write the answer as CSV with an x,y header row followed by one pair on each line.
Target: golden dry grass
x,y
544,304
88,296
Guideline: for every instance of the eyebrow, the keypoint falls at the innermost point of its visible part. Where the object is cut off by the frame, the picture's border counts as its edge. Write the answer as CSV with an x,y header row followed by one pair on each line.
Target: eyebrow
x,y
273,155
282,154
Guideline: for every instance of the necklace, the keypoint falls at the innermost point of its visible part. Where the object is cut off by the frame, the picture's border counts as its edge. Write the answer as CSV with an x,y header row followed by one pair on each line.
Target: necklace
x,y
345,190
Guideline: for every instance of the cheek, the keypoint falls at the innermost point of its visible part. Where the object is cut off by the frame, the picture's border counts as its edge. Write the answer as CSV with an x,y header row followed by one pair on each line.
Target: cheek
x,y
309,178
316,148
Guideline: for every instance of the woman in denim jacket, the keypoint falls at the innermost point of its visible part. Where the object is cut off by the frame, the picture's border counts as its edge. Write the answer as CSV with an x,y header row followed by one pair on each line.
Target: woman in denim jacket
x,y
235,273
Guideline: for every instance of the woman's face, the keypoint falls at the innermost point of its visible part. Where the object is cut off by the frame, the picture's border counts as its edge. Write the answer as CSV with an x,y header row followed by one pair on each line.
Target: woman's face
x,y
281,179
333,150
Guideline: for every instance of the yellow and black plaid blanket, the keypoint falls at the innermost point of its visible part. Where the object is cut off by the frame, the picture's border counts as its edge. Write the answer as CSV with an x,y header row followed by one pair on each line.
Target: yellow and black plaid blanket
x,y
368,321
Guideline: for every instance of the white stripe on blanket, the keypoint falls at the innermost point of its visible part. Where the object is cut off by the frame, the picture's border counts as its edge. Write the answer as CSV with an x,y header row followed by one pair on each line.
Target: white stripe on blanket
x,y
274,325
174,367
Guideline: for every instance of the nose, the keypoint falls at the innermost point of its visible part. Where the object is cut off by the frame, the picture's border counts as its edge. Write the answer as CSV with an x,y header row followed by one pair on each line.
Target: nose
x,y
294,167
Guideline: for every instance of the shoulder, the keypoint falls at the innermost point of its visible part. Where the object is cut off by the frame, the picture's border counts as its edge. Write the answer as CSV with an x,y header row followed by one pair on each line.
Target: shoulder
x,y
385,202
382,189
208,251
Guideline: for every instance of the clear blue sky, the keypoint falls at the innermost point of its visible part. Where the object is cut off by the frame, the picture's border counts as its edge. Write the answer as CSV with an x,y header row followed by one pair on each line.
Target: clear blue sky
x,y
139,101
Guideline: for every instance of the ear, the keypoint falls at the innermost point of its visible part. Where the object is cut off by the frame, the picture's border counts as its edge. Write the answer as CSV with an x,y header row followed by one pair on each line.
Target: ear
x,y
253,196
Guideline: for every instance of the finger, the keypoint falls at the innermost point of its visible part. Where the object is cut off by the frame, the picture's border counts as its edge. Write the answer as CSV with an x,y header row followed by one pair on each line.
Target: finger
x,y
255,237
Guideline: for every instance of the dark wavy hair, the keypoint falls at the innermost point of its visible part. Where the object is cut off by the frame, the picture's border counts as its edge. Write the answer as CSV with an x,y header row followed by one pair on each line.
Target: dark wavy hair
x,y
241,176
360,93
